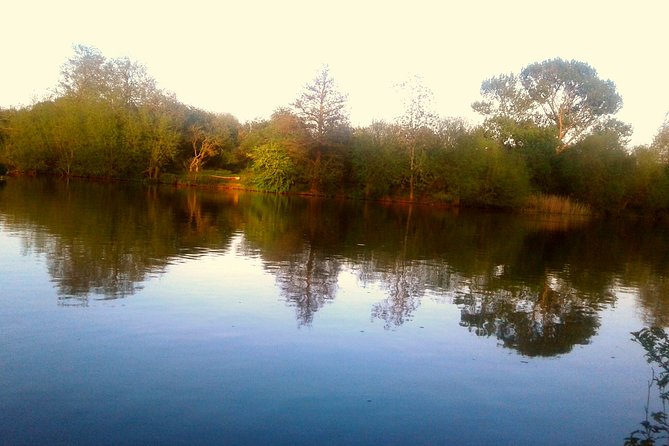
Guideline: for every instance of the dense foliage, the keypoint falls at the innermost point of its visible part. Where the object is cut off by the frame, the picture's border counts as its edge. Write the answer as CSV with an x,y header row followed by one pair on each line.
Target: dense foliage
x,y
548,130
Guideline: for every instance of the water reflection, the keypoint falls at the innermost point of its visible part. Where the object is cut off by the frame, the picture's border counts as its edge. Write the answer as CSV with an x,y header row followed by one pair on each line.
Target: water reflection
x,y
544,321
308,280
535,285
655,425
105,240
405,287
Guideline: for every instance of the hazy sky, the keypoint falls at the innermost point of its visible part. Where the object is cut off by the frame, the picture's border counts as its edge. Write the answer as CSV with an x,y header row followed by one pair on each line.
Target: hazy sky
x,y
249,57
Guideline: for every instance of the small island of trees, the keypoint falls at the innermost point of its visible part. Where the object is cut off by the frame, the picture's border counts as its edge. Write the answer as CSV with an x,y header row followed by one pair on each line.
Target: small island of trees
x,y
549,135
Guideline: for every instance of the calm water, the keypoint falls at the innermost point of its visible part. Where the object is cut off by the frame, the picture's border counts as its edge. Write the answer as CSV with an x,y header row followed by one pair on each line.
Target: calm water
x,y
133,315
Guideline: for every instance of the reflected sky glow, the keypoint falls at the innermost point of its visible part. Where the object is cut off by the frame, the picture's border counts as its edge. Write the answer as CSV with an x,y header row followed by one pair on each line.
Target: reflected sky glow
x,y
471,337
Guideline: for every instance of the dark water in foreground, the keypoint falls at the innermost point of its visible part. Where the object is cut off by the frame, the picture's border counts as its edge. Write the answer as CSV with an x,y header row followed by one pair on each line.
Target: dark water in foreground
x,y
133,315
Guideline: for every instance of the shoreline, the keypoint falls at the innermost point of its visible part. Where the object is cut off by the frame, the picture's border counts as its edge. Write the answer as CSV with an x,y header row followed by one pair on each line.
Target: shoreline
x,y
176,182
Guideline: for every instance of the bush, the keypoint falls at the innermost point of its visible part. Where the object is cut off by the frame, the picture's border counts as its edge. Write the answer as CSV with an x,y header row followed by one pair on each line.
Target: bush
x,y
597,172
479,172
272,169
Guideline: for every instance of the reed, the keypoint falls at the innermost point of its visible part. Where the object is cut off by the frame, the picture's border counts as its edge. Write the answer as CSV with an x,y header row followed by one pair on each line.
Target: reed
x,y
554,204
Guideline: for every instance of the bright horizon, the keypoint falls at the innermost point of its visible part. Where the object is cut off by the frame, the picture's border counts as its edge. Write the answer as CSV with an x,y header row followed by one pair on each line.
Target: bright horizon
x,y
250,59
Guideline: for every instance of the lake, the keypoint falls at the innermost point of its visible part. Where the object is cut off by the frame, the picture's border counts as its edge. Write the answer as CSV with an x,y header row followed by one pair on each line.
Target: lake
x,y
152,315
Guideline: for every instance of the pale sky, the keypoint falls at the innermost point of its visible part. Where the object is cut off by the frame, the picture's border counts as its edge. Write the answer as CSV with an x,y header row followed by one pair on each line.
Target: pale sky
x,y
250,57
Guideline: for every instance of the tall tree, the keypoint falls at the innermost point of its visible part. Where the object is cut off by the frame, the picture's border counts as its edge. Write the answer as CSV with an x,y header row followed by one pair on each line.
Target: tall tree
x,y
503,98
131,84
660,144
417,119
156,136
121,82
568,95
85,75
571,96
322,108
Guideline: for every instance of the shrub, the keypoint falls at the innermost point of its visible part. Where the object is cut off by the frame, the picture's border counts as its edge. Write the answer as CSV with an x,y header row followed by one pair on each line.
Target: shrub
x,y
272,169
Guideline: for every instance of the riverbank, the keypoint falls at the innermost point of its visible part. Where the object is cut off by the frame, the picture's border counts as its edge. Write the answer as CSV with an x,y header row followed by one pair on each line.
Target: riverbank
x,y
533,204
539,204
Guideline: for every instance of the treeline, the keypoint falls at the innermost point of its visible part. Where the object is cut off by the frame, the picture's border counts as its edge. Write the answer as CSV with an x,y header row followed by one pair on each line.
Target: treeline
x,y
107,118
548,131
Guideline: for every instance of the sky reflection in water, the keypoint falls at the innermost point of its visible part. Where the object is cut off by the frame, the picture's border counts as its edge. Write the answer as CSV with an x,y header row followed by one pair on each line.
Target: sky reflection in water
x,y
135,315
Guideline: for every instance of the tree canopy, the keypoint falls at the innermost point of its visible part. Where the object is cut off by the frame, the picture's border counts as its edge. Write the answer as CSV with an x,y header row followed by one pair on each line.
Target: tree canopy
x,y
321,107
660,144
120,81
567,95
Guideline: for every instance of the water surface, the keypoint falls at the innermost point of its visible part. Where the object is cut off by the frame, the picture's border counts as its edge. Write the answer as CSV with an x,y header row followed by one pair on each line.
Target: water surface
x,y
137,315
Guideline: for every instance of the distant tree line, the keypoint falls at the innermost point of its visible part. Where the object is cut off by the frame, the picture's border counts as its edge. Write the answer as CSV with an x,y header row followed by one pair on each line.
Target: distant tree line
x,y
548,131
108,119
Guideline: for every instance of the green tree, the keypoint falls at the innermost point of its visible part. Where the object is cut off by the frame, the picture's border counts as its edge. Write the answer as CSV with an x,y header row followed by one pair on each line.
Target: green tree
x,y
378,157
450,131
441,144
284,130
598,171
416,122
108,119
571,96
155,136
87,74
5,115
535,144
131,85
210,136
25,149
478,171
321,106
650,180
660,144
503,97
568,95
272,168
121,82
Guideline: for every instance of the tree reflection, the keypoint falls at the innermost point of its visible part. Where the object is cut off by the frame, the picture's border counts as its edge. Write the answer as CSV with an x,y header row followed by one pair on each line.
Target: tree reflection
x,y
120,275
653,299
298,239
308,281
405,289
536,322
106,240
536,286
403,283
647,269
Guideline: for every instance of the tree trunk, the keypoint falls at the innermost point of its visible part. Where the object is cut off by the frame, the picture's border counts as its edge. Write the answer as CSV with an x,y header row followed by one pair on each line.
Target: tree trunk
x,y
412,156
316,174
